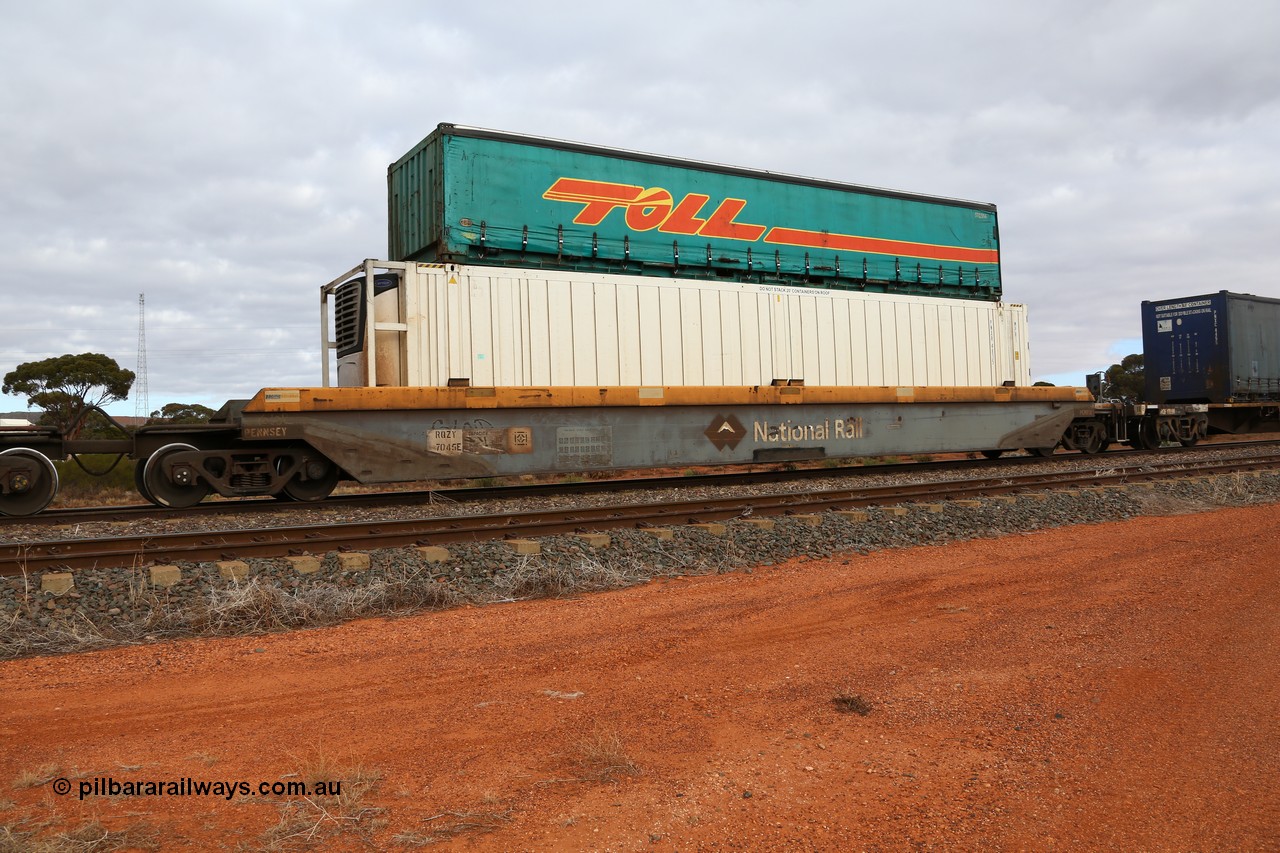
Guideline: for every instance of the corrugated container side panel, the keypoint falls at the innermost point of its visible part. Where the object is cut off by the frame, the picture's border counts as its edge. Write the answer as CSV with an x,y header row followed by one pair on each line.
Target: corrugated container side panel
x,y
918,345
946,346
560,311
795,334
805,335
504,298
672,337
732,347
459,354
888,331
901,321
1004,367
524,323
474,197
630,338
443,320
583,332
414,199
1011,340
875,344
709,354
762,342
858,374
479,296
430,332
930,342
493,328
540,331
973,341
801,328
606,324
992,375
973,363
652,343
691,339
824,348
842,351
1024,347
1254,340
780,337
987,355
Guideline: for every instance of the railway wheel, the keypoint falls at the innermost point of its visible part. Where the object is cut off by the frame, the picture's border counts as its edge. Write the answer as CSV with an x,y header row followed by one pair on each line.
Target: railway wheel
x,y
1189,442
322,476
1093,443
139,466
1146,436
28,493
992,454
1041,451
165,492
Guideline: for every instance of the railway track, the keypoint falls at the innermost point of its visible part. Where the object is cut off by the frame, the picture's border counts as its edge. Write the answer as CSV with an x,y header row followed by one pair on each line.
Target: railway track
x,y
82,515
205,546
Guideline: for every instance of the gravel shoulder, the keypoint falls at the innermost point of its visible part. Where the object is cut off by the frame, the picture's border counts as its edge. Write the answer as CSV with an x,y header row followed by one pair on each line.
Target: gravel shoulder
x,y
1110,685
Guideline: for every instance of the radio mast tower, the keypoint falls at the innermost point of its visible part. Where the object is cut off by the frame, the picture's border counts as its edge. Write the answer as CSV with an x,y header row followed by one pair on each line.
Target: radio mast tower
x,y
141,403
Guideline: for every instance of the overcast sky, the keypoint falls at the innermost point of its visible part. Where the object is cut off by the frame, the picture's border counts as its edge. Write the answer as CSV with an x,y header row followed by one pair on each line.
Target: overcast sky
x,y
228,158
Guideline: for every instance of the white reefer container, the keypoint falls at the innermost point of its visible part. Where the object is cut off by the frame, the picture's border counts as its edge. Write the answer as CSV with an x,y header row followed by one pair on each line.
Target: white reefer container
x,y
442,325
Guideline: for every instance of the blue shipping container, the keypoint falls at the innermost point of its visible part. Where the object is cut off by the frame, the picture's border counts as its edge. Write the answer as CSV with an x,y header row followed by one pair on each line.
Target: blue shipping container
x,y
1217,348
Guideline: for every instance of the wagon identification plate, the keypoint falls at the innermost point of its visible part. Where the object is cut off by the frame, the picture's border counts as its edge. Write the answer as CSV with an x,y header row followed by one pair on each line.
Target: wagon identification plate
x,y
481,441
267,432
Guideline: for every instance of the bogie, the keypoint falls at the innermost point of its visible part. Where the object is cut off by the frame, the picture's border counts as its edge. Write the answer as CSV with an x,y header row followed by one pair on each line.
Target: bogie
x,y
28,481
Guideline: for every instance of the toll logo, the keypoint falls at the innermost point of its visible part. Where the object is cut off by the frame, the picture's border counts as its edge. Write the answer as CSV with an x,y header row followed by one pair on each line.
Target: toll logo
x,y
647,209
655,208
725,432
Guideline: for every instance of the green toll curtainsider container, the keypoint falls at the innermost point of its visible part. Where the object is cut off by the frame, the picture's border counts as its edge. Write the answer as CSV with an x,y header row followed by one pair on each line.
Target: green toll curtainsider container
x,y
471,196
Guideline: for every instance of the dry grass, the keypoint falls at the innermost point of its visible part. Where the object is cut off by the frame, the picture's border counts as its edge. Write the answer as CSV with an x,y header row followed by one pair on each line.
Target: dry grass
x,y
92,837
537,578
1234,490
602,756
314,821
454,823
42,775
258,606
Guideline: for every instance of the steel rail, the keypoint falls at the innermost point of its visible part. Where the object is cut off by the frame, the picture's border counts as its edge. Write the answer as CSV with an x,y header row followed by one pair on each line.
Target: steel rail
x,y
205,546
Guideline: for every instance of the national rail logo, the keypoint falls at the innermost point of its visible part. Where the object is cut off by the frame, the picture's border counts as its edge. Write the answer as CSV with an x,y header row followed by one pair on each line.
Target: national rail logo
x,y
725,432
646,209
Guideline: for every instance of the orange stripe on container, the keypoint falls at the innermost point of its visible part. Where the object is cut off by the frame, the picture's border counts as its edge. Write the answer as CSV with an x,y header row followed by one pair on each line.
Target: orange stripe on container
x,y
872,245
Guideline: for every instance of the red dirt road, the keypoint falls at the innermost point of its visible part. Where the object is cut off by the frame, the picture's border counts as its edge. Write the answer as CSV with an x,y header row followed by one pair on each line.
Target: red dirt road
x,y
1113,687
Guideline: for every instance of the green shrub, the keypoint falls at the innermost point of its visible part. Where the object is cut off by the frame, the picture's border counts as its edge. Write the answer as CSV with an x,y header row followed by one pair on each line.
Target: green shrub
x,y
76,485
